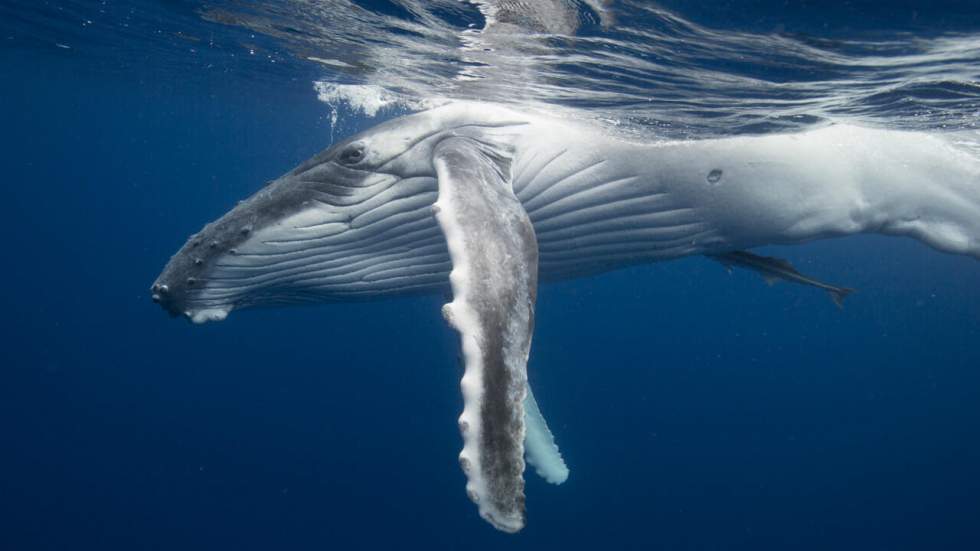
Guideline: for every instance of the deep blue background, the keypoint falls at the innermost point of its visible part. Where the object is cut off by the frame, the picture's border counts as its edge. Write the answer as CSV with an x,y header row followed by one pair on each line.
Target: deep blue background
x,y
696,409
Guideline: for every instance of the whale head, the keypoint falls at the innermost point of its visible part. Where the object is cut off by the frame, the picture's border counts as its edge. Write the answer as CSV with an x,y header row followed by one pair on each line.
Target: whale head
x,y
353,221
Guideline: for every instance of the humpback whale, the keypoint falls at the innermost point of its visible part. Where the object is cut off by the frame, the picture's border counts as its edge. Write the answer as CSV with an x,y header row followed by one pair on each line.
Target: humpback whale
x,y
487,200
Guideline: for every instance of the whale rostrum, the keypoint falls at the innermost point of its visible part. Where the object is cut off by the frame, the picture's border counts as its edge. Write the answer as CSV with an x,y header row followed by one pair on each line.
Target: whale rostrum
x,y
486,200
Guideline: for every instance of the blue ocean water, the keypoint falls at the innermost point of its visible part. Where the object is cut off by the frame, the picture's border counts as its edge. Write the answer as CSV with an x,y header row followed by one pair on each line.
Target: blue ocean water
x,y
696,409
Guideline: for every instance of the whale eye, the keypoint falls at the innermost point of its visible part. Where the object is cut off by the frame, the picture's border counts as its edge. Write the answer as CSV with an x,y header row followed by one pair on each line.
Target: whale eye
x,y
352,155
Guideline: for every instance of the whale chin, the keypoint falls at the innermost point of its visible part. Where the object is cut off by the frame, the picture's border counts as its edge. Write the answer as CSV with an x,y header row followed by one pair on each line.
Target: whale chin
x,y
178,306
208,314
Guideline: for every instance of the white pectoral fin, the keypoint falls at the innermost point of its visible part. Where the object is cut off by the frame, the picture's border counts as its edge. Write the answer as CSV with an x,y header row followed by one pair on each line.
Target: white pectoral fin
x,y
539,444
494,280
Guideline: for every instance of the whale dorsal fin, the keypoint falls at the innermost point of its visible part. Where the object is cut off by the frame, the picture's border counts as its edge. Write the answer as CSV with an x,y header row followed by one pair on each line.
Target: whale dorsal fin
x,y
494,281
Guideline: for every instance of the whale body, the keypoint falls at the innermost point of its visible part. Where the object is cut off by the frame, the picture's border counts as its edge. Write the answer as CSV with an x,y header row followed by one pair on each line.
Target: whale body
x,y
486,201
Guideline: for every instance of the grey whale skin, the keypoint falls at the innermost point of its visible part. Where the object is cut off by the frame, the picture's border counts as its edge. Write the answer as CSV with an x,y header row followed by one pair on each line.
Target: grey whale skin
x,y
490,199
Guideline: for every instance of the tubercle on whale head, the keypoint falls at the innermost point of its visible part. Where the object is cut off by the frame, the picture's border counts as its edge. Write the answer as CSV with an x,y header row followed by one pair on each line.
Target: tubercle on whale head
x,y
178,287
185,287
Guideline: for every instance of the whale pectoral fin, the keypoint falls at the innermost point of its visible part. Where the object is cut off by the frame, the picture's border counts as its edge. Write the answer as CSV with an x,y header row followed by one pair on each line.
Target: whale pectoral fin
x,y
494,281
539,444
